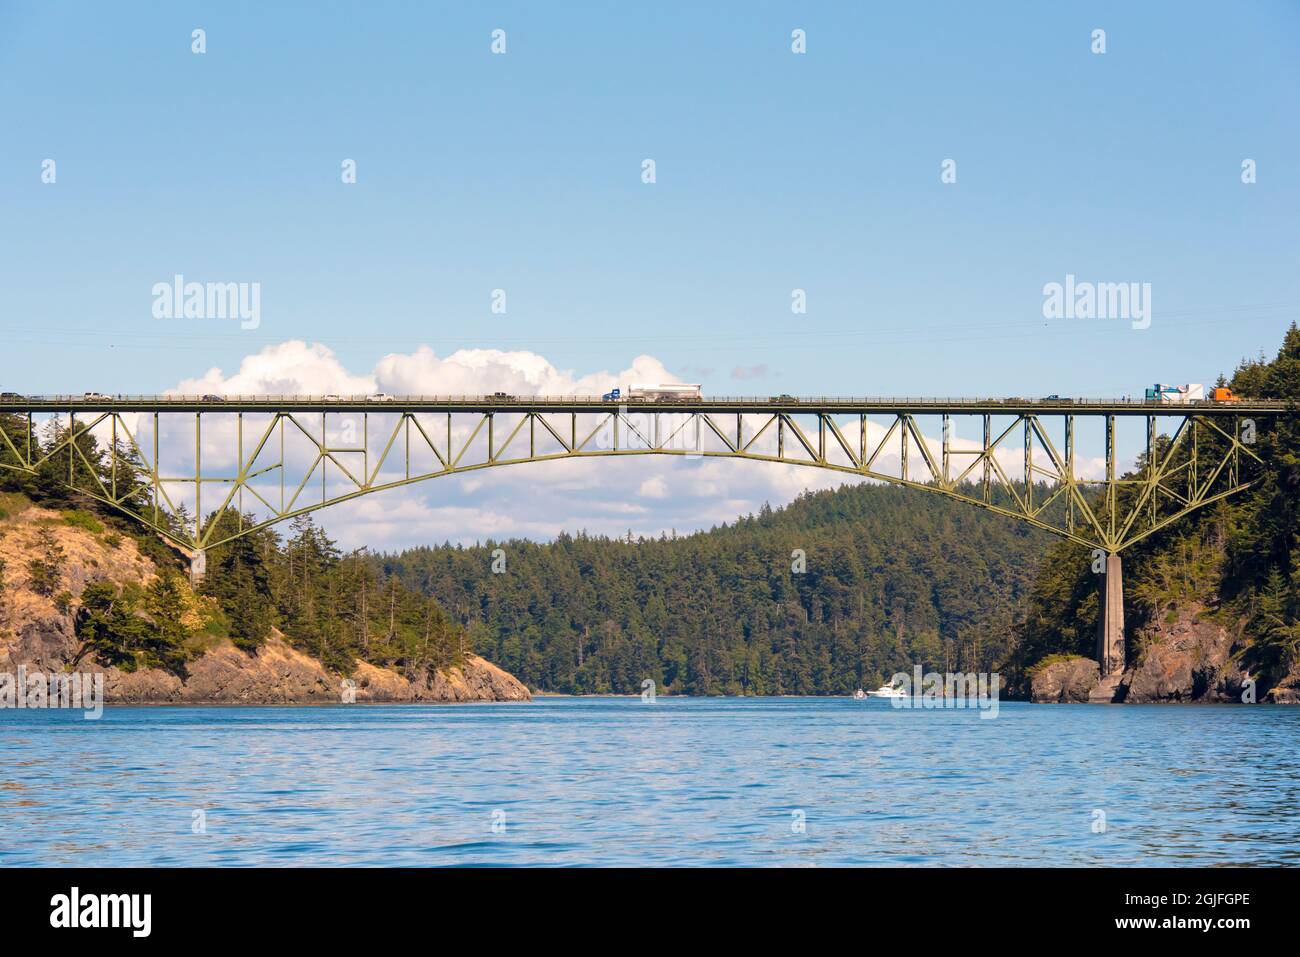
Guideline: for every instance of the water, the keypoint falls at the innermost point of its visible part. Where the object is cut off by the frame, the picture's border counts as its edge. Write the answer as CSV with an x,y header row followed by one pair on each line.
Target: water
x,y
682,781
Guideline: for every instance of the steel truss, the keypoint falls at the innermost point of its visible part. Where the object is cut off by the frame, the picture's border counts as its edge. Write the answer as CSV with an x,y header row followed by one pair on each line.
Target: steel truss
x,y
1205,457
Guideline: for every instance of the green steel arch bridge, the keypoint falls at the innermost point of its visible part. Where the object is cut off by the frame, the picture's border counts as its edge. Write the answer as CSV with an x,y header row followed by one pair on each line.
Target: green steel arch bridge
x,y
286,456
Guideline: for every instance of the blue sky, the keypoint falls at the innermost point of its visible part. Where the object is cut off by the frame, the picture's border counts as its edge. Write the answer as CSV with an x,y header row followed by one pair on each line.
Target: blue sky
x,y
775,171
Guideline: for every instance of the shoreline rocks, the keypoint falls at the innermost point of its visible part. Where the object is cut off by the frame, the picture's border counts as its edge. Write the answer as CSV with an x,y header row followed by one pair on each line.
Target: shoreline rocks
x,y
280,674
1189,657
1069,680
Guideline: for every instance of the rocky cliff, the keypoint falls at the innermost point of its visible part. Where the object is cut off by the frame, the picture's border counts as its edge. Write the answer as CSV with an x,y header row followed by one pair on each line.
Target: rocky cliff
x,y
39,632
1189,655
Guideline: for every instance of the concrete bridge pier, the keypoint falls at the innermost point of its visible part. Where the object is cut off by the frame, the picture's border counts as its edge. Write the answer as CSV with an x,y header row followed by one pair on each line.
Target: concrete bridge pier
x,y
198,566
1110,620
1111,647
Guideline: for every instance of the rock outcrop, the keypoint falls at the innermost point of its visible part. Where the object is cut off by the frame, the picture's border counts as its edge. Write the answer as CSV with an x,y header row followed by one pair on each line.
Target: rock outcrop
x,y
1287,691
1068,680
1190,655
34,632
478,680
1187,657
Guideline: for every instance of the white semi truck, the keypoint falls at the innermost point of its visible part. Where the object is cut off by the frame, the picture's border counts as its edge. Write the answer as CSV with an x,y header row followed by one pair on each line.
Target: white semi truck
x,y
1176,394
664,392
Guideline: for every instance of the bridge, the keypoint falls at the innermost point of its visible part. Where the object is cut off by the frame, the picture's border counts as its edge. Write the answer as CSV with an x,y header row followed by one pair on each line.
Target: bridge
x,y
1021,458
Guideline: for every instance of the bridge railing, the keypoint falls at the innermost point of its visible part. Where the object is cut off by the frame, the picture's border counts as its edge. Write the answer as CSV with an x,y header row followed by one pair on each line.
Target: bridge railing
x,y
97,400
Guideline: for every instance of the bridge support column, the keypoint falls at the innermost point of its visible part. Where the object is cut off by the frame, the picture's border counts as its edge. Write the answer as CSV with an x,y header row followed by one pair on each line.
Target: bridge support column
x,y
198,566
1111,648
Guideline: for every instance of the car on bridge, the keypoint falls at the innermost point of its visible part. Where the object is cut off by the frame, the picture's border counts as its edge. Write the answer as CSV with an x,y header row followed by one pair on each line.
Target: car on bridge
x,y
213,398
96,397
380,397
783,397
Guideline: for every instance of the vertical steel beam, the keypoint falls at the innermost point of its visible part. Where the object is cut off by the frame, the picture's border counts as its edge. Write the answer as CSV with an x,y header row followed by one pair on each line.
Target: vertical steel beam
x,y
156,468
988,437
1152,476
1029,467
198,477
1069,472
1112,500
1236,450
946,428
112,460
902,438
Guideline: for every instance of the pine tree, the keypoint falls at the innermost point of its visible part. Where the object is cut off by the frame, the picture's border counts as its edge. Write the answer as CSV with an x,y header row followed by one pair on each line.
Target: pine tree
x,y
46,570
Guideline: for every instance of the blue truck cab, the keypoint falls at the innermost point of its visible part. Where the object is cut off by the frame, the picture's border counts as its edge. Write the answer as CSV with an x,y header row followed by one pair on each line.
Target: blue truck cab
x,y
611,396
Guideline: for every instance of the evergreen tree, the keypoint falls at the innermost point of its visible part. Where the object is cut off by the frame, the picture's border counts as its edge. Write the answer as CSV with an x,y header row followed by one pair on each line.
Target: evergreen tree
x,y
46,570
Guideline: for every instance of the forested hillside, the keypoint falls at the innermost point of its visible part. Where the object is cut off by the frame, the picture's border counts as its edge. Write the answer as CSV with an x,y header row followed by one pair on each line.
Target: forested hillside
x,y
893,577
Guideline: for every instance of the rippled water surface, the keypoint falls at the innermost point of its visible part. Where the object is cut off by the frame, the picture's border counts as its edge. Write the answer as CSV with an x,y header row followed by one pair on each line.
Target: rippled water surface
x,y
681,781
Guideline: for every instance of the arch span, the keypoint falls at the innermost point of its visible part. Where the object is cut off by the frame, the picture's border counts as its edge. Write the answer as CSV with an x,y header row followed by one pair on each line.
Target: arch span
x,y
280,459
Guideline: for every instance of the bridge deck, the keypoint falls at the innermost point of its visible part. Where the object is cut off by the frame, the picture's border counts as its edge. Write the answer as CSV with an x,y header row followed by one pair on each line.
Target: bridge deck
x,y
571,403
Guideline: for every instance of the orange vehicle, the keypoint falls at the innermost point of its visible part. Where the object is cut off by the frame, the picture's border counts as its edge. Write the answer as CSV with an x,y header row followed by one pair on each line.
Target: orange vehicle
x,y
1224,394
